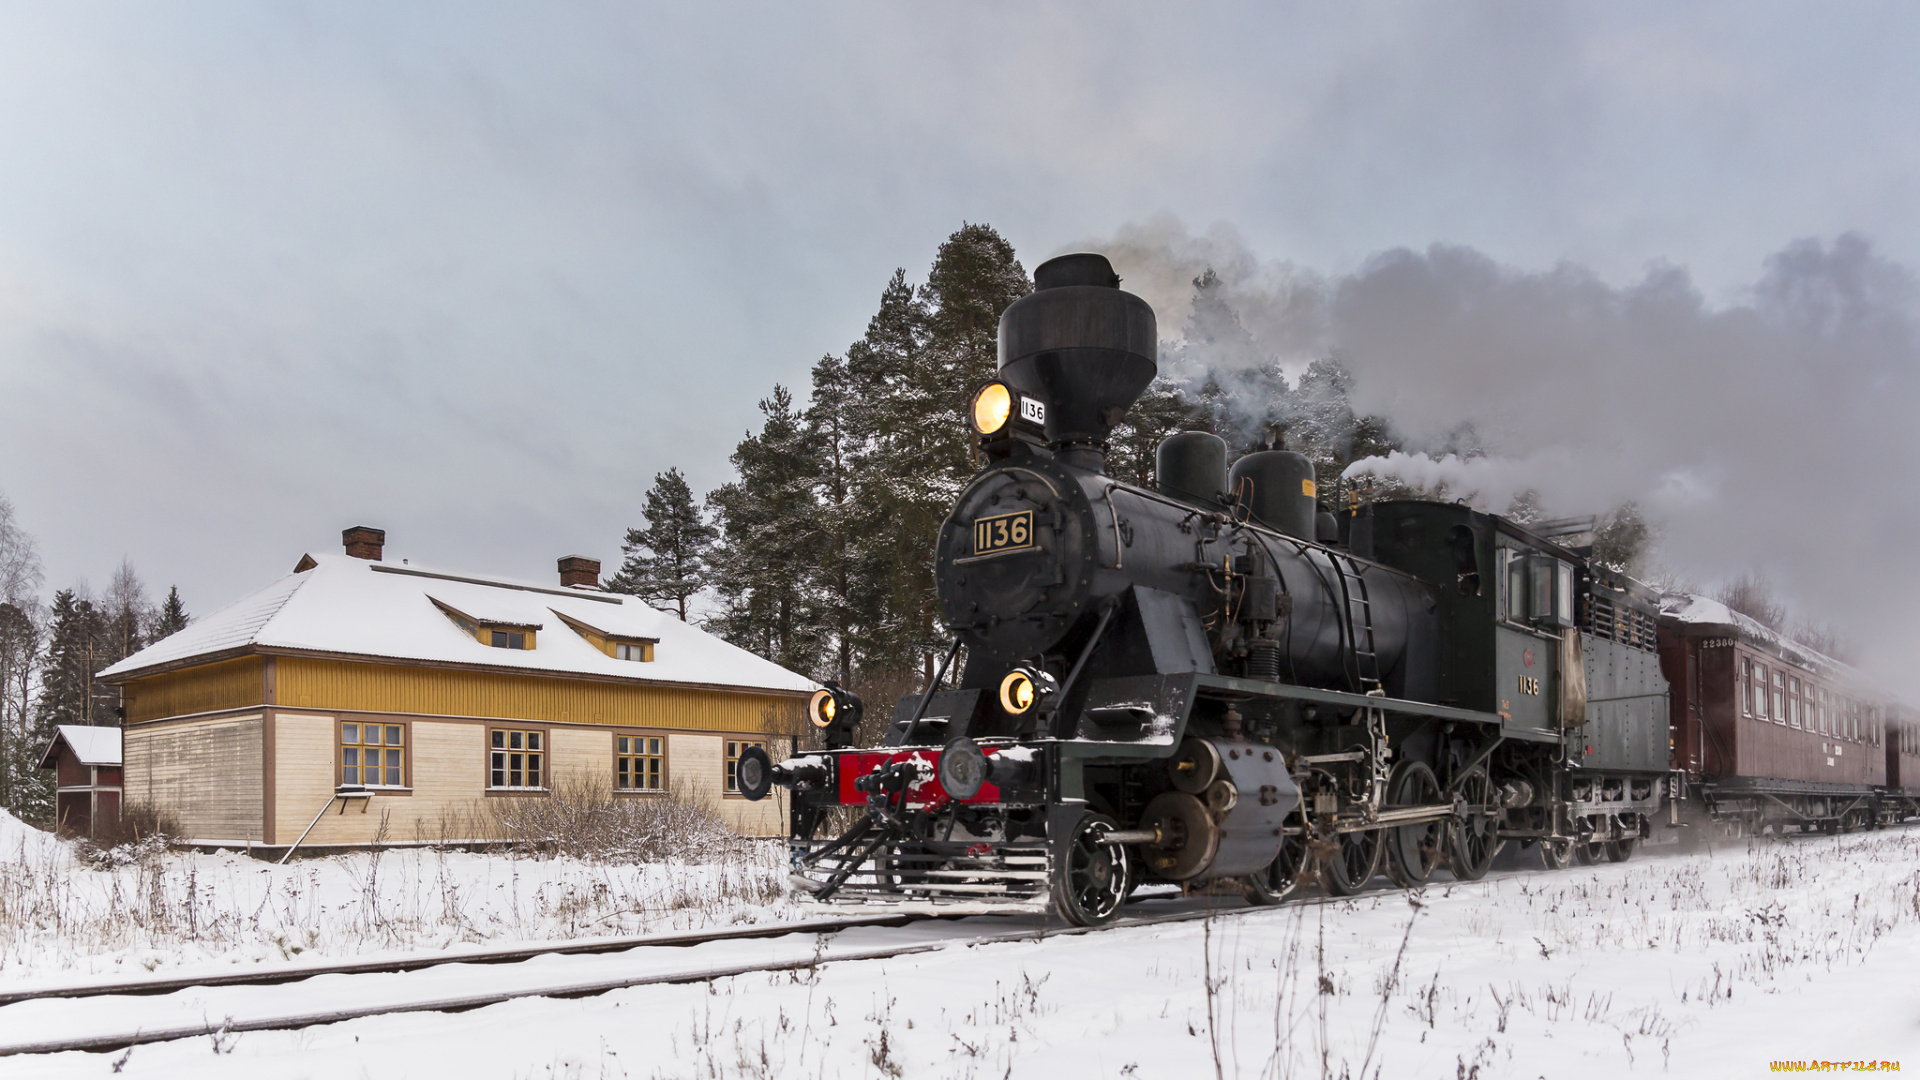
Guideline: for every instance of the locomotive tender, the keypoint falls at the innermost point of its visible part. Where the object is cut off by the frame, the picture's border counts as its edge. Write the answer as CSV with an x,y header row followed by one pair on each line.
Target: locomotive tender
x,y
1213,680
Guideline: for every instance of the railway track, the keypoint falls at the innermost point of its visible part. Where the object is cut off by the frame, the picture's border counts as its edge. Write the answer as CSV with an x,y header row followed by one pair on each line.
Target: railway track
x,y
116,1034
609,963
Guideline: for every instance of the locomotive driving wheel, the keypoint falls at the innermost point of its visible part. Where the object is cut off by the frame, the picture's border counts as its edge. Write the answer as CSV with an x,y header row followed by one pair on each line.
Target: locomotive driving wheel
x,y
1473,838
1091,878
1354,860
1270,886
1413,851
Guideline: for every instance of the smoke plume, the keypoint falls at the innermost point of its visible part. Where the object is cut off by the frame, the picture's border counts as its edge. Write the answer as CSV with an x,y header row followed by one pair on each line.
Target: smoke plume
x,y
1773,433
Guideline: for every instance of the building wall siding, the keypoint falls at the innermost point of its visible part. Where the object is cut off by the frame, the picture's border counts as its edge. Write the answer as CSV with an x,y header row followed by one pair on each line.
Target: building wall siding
x,y
393,688
697,766
581,756
229,684
304,772
206,773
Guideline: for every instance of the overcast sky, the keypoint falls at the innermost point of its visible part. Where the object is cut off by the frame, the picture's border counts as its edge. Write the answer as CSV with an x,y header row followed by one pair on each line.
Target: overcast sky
x,y
475,273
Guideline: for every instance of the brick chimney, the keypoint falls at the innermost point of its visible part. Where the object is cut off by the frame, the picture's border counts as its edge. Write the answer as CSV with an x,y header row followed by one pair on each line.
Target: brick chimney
x,y
364,541
578,571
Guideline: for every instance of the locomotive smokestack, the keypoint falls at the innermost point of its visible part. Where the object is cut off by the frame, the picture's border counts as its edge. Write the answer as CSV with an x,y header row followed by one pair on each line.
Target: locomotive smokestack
x,y
1082,346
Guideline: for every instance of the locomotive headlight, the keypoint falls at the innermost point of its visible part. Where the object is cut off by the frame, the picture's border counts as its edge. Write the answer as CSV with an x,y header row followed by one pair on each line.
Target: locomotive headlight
x,y
1023,688
822,709
1016,692
992,408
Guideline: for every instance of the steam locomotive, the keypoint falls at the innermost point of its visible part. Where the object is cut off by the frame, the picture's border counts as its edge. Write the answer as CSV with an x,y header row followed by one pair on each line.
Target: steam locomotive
x,y
1215,680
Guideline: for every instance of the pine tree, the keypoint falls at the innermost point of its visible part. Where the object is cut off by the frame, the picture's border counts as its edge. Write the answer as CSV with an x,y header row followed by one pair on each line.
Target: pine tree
x,y
19,663
172,619
770,541
19,653
845,608
667,562
916,368
1161,411
74,635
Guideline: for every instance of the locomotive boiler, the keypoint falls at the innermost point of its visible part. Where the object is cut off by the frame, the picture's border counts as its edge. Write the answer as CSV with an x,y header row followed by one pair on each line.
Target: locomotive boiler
x,y
1211,679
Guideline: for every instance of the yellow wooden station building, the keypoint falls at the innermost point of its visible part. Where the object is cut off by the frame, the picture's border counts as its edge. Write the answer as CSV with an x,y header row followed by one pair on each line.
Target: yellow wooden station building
x,y
397,693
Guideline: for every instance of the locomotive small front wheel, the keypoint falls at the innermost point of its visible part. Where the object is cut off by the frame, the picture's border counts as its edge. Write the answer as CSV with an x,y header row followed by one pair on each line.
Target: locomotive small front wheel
x,y
1556,854
1591,852
1091,879
1352,863
1270,886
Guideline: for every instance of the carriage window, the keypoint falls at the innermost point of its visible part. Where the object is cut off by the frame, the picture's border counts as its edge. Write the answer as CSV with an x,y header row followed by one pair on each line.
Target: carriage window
x,y
1793,702
1760,691
1779,696
1746,687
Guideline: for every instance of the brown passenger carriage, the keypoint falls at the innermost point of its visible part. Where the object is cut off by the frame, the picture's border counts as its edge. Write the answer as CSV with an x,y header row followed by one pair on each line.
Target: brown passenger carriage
x,y
1768,733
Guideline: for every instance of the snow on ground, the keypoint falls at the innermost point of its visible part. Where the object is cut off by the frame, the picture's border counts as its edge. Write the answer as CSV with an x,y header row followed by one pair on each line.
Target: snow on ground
x,y
1711,963
64,920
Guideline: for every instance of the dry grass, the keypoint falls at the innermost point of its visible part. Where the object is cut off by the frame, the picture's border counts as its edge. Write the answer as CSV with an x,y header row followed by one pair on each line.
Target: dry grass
x,y
583,820
577,865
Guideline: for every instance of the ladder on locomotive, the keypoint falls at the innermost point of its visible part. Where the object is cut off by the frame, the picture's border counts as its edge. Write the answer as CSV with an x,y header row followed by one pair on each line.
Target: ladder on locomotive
x,y
1364,666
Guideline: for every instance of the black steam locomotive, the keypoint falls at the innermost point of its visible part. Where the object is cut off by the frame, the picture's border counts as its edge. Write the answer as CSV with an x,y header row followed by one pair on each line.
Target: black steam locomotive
x,y
1218,680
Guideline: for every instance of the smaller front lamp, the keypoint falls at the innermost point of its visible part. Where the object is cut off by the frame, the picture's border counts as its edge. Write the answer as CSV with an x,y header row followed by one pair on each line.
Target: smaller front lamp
x,y
992,408
835,713
1023,688
1016,692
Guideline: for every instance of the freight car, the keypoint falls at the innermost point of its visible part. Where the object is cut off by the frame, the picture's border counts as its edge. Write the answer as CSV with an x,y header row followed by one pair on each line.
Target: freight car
x,y
1210,680
1770,735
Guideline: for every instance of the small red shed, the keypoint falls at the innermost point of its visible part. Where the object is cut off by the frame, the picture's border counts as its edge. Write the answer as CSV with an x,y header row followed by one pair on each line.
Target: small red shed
x,y
87,770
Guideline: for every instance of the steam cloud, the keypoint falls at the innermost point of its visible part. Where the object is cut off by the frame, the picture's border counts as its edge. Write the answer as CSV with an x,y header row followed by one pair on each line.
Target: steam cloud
x,y
1776,433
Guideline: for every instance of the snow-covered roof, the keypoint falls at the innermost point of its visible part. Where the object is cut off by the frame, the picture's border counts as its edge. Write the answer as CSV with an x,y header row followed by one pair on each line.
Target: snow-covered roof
x,y
92,745
352,607
1694,608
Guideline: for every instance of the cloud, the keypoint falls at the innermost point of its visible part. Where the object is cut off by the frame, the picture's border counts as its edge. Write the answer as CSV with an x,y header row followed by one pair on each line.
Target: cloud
x,y
1772,433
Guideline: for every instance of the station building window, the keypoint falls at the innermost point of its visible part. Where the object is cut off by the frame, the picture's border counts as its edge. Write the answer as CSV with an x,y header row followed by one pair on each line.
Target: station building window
x,y
373,755
640,763
516,759
734,750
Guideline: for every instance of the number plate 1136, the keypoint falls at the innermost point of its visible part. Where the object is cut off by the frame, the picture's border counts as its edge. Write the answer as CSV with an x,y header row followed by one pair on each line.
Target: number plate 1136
x,y
1007,532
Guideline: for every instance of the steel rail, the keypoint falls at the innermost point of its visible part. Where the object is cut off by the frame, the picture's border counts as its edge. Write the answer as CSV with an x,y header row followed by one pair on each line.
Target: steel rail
x,y
110,1041
509,954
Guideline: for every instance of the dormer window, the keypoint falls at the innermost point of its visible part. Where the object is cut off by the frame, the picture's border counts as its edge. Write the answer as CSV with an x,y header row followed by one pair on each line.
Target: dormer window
x,y
618,646
499,635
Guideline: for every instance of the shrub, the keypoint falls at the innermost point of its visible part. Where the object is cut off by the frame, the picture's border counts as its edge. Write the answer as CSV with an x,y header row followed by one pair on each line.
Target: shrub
x,y
584,820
